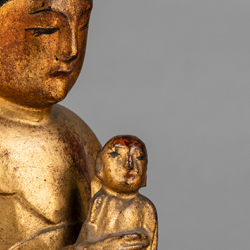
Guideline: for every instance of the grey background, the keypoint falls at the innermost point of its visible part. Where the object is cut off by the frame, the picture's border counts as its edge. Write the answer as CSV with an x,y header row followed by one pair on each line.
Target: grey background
x,y
176,74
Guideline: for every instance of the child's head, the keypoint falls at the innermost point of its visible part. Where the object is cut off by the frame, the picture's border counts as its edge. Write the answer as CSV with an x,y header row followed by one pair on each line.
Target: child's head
x,y
122,164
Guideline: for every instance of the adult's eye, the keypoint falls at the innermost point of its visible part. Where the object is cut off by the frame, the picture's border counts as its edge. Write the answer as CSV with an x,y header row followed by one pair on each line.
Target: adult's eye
x,y
141,157
84,27
42,31
114,154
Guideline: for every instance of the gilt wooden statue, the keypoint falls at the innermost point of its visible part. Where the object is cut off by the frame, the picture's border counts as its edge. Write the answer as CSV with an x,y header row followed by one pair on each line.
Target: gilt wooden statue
x,y
47,153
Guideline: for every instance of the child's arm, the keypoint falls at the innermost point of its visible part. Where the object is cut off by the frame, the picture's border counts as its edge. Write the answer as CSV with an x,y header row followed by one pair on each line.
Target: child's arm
x,y
151,225
94,211
155,238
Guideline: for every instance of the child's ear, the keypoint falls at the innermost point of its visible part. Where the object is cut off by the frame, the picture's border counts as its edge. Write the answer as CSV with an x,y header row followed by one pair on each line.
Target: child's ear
x,y
99,166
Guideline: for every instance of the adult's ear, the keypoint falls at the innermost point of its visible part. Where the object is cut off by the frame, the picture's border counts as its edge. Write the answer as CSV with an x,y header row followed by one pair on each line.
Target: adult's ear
x,y
99,166
144,184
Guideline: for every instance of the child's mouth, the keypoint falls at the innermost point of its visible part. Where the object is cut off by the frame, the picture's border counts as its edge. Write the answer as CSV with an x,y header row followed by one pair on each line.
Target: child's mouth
x,y
128,175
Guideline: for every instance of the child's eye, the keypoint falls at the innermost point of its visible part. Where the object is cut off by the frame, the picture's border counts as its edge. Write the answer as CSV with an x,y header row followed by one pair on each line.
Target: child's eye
x,y
41,31
141,157
114,154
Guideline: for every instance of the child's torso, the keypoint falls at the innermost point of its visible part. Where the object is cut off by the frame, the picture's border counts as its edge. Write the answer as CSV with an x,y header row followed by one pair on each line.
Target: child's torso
x,y
116,217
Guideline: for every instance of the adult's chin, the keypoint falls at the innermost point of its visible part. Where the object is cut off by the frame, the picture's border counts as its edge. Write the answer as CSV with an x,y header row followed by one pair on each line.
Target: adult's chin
x,y
57,89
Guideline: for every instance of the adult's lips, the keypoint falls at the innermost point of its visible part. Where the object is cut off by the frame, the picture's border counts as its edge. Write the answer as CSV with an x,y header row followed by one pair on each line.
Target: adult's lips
x,y
61,73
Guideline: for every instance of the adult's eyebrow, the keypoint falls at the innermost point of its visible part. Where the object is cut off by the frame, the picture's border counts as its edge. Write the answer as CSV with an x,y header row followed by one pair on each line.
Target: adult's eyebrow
x,y
86,11
89,7
49,9
43,10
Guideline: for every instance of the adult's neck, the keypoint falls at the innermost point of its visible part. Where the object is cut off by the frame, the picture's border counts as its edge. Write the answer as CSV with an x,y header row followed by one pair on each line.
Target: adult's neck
x,y
23,114
130,195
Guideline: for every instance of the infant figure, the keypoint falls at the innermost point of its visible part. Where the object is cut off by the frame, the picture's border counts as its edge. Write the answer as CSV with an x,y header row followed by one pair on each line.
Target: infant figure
x,y
118,210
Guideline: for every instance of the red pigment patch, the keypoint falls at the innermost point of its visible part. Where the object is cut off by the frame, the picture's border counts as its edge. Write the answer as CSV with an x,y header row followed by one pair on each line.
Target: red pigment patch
x,y
127,141
128,175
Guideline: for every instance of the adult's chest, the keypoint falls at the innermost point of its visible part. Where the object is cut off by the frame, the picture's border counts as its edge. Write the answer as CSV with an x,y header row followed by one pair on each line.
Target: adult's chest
x,y
39,166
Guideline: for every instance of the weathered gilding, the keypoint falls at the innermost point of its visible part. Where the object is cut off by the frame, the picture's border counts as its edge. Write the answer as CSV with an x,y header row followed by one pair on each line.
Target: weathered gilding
x,y
47,152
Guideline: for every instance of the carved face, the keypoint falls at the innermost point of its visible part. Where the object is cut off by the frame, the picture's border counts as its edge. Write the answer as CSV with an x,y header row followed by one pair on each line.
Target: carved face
x,y
42,49
124,167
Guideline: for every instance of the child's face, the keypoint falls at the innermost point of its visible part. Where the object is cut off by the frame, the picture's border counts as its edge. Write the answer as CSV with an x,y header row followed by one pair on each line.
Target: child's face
x,y
124,168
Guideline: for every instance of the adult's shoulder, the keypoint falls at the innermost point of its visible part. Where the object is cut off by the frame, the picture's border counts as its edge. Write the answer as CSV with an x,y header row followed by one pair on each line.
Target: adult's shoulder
x,y
67,117
73,125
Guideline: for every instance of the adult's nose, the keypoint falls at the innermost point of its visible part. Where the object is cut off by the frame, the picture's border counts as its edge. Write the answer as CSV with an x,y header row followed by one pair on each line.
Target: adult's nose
x,y
68,45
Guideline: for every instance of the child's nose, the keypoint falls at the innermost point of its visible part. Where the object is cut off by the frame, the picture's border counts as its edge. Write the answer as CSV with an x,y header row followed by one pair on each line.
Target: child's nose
x,y
130,165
